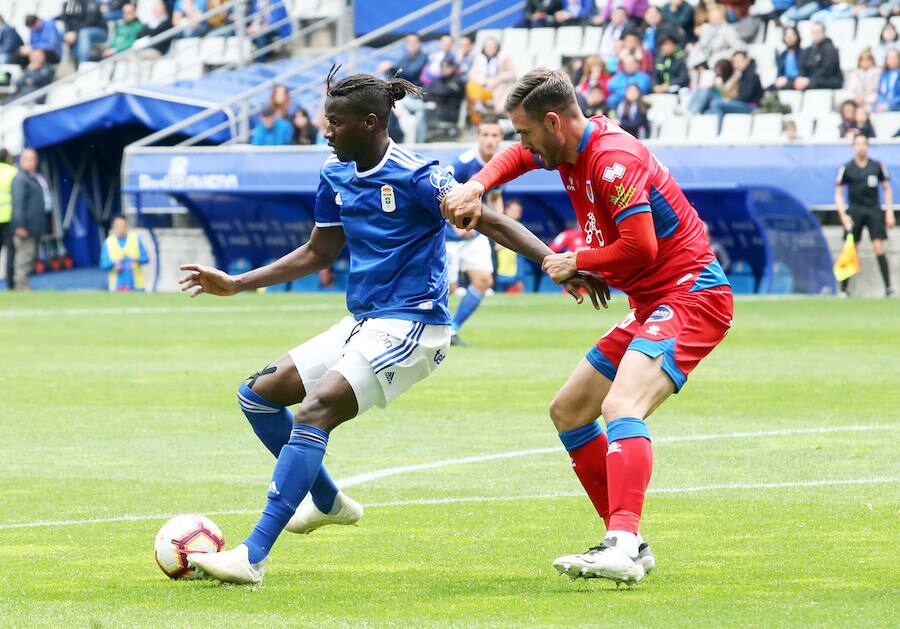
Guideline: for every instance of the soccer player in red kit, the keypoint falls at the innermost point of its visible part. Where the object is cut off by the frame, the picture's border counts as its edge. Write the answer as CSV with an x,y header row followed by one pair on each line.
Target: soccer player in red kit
x,y
645,239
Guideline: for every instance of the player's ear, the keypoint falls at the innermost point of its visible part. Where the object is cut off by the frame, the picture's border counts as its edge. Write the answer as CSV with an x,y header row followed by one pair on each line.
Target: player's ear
x,y
370,122
551,120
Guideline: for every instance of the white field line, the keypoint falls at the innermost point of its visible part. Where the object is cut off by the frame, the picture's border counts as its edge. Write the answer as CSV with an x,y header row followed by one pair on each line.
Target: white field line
x,y
139,310
360,479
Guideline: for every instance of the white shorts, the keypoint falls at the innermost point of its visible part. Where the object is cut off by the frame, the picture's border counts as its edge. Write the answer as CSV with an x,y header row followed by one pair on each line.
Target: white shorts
x,y
469,254
380,358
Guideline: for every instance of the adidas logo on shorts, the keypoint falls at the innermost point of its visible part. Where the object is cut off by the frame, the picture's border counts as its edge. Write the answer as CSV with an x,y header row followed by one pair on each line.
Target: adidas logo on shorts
x,y
389,376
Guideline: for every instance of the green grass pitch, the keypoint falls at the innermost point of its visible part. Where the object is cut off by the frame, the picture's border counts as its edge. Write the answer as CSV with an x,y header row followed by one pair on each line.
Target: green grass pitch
x,y
119,411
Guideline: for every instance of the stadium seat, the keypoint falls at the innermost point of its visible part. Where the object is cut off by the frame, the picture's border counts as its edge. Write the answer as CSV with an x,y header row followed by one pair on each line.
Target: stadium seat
x,y
484,33
236,48
568,40
164,70
886,123
540,39
547,58
767,127
703,129
849,55
773,37
827,128
841,33
804,27
673,129
661,105
590,42
515,40
868,30
60,95
782,279
805,125
736,128
212,49
794,98
817,102
743,282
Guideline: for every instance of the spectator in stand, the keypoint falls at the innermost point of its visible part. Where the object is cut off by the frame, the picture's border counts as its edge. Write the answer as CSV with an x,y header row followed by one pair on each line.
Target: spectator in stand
x,y
670,74
864,123
490,80
271,130
112,9
593,102
29,216
269,24
887,40
447,92
630,74
85,27
680,14
789,131
847,10
801,10
631,114
507,278
45,36
593,74
847,128
411,110
718,40
788,60
749,89
305,132
631,46
862,82
127,31
38,74
10,43
820,65
723,83
634,10
465,55
280,101
159,24
186,13
573,13
539,13
432,69
615,29
888,97
737,13
655,30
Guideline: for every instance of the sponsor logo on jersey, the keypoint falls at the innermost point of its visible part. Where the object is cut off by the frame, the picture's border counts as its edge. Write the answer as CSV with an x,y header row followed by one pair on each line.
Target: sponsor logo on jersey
x,y
337,199
571,185
662,313
388,203
442,181
622,196
590,191
653,330
591,232
611,173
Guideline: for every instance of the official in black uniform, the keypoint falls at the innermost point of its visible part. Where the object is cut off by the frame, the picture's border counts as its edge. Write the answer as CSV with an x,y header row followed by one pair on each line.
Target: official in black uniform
x,y
862,177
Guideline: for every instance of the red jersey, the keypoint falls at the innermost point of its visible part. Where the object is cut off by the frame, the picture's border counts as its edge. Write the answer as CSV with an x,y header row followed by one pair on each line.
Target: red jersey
x,y
569,240
614,177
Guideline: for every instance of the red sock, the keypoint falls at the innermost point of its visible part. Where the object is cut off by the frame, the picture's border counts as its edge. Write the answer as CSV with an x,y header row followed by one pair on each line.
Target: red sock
x,y
629,463
589,463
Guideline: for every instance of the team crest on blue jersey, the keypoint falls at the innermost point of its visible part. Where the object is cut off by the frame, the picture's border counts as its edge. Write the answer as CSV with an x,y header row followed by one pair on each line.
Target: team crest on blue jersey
x,y
388,203
590,191
662,313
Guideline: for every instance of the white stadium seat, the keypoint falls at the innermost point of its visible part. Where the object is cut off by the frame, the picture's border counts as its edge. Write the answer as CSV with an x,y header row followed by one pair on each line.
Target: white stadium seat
x,y
840,32
773,36
703,129
484,33
590,42
541,39
827,127
886,123
794,98
736,128
515,40
568,40
805,125
673,129
816,102
767,127
868,30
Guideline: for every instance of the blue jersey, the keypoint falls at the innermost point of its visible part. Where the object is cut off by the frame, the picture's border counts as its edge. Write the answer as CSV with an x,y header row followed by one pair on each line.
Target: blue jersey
x,y
462,169
395,233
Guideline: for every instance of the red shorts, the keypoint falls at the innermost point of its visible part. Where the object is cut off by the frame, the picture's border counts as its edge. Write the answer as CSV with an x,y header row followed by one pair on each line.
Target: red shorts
x,y
682,327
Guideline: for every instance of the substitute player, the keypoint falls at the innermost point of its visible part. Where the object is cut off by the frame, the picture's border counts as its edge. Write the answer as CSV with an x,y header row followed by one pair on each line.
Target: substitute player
x,y
382,201
468,250
645,239
862,177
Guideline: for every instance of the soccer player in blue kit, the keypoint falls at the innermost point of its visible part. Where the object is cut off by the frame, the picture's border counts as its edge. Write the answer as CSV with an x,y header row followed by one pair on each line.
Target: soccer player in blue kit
x,y
383,202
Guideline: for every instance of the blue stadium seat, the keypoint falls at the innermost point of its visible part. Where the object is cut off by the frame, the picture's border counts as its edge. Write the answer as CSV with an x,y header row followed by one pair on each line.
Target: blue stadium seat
x,y
782,280
743,281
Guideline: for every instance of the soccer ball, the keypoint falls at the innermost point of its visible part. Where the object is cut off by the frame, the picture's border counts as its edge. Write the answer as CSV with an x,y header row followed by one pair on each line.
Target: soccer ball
x,y
184,534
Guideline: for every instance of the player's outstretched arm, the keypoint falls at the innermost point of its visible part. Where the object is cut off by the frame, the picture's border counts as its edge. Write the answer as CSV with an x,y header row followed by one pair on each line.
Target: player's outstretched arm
x,y
320,252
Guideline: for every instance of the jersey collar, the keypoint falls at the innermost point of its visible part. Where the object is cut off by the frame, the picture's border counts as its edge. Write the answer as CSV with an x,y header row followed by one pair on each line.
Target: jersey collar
x,y
376,167
588,130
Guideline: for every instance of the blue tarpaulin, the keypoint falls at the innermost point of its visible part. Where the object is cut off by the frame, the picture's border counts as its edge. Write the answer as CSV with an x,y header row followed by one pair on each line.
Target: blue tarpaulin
x,y
256,204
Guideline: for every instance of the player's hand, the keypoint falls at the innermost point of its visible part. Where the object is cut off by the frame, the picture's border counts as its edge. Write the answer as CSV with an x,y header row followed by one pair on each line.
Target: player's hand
x,y
462,205
889,220
594,285
847,222
205,279
560,266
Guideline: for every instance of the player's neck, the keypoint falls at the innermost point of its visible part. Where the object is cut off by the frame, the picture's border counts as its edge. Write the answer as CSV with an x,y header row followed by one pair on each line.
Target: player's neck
x,y
861,161
573,137
372,155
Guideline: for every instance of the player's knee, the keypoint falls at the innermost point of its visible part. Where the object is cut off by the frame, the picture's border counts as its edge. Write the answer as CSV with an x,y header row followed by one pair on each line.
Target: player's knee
x,y
325,409
483,282
564,415
614,407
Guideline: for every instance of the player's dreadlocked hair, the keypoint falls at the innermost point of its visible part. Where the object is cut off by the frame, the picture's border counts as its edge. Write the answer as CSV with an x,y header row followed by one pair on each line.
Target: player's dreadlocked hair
x,y
368,93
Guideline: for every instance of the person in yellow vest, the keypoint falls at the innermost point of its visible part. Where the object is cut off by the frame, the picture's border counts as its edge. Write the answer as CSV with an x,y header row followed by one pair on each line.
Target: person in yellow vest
x,y
122,256
7,174
507,278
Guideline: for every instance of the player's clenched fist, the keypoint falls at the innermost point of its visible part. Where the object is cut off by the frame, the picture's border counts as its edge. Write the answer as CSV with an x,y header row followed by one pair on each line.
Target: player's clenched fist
x,y
462,205
560,266
205,279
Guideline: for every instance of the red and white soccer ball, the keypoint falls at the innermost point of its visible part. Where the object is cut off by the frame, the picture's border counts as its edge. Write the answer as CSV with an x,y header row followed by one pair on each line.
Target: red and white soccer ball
x,y
184,534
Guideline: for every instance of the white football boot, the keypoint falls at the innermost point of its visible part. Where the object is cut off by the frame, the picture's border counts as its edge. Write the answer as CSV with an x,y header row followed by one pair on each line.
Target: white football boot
x,y
605,561
307,518
645,557
230,566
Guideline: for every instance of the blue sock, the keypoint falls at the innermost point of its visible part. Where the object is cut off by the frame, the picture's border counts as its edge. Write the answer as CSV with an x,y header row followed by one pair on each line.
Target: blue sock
x,y
296,469
272,424
467,305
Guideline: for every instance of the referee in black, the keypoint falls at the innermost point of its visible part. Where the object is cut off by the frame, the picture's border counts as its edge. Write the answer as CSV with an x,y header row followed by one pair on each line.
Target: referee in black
x,y
862,177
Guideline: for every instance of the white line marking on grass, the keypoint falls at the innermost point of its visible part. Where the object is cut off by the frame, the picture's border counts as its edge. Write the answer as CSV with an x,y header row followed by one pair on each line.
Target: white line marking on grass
x,y
138,310
360,479
451,500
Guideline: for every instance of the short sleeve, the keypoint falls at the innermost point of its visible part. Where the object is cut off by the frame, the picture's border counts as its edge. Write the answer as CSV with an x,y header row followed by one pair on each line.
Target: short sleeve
x,y
431,184
621,181
883,174
328,205
841,178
